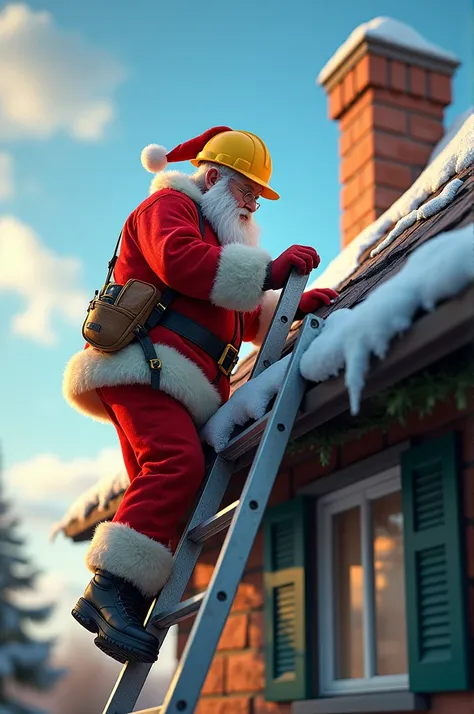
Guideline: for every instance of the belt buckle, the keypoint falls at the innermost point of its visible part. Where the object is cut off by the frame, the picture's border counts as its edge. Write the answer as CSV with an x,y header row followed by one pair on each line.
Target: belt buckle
x,y
155,363
222,359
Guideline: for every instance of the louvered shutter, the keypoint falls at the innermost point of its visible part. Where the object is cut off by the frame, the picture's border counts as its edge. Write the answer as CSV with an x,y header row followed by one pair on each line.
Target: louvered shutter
x,y
437,626
287,548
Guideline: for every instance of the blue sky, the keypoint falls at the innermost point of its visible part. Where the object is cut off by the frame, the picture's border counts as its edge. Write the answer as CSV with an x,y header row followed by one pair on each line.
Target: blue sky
x,y
98,82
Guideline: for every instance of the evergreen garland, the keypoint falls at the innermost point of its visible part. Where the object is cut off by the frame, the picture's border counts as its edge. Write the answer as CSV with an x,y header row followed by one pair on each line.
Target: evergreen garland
x,y
419,394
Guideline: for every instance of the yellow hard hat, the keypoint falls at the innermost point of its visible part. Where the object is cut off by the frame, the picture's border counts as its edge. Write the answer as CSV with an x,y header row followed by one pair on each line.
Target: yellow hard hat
x,y
244,152
239,150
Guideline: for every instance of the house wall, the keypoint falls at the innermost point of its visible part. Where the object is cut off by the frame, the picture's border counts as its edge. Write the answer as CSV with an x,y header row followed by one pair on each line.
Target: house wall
x,y
236,680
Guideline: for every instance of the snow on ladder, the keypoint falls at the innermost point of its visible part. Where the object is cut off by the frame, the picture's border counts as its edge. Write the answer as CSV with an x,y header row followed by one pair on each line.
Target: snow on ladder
x,y
242,518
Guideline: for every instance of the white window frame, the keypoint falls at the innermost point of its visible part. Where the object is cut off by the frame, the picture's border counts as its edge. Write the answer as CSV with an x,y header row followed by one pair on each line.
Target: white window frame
x,y
359,494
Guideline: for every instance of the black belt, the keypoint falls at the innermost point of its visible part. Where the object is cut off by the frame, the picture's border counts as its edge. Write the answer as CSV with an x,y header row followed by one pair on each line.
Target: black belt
x,y
226,355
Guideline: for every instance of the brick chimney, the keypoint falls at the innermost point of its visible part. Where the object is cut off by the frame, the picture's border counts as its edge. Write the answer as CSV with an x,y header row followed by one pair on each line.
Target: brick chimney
x,y
388,88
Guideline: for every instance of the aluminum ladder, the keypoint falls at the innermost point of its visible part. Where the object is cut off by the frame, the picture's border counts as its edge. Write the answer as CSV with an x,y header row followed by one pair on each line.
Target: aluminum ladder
x,y
242,518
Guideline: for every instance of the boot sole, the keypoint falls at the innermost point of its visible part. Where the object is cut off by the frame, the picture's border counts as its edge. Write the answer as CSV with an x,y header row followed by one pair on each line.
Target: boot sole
x,y
116,645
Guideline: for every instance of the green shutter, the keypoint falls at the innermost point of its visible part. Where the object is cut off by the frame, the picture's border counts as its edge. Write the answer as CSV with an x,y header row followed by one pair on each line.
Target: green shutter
x,y
437,626
287,549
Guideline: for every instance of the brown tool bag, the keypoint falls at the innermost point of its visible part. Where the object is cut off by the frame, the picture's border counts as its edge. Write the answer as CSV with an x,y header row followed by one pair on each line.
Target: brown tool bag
x,y
116,312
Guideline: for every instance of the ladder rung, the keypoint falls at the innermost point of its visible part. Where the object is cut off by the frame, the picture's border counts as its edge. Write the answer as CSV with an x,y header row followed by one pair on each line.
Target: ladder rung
x,y
213,525
243,442
153,710
181,611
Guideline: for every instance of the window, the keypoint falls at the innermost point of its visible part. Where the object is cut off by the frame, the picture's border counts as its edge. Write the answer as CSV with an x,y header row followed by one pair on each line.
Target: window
x,y
361,584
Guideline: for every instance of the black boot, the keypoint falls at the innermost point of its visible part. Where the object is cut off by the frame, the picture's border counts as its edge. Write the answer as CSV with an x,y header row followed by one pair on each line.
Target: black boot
x,y
115,610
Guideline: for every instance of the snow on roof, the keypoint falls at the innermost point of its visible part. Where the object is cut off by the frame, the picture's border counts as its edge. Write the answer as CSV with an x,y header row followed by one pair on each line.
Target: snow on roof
x,y
97,496
439,269
456,156
389,30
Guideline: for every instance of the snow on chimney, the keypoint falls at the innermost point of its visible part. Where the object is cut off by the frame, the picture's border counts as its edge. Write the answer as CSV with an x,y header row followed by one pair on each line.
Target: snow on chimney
x,y
388,88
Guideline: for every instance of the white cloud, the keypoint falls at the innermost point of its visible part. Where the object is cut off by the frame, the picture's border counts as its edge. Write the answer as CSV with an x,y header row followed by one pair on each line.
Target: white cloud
x,y
51,80
46,476
6,176
48,283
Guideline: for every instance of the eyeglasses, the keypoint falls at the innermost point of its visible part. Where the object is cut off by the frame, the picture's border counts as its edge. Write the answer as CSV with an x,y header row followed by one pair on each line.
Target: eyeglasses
x,y
247,195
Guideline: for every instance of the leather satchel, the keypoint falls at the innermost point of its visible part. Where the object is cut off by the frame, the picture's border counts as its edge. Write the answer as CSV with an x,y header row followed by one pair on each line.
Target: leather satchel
x,y
115,314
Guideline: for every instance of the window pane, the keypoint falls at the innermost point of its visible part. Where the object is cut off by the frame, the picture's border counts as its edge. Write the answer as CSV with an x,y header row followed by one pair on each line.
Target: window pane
x,y
348,589
387,524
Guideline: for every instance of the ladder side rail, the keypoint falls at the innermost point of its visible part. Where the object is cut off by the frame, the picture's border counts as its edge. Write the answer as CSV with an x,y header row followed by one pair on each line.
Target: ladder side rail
x,y
192,670
133,675
283,317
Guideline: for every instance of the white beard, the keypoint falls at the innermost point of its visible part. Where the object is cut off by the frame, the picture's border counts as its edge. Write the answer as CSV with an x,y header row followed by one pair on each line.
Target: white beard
x,y
221,210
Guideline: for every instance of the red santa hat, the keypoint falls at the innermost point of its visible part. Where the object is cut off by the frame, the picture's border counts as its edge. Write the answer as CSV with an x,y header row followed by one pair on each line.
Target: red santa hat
x,y
154,158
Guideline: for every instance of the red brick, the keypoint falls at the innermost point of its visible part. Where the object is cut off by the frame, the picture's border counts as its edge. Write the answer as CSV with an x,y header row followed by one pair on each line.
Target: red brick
x,y
362,124
234,636
250,593
349,234
406,101
358,449
256,630
282,489
245,672
468,492
399,148
353,112
350,192
452,703
360,154
439,88
389,118
444,418
417,81
371,71
214,683
346,141
348,88
470,550
364,203
227,705
260,706
398,76
336,102
387,173
255,559
311,469
202,575
384,196
425,128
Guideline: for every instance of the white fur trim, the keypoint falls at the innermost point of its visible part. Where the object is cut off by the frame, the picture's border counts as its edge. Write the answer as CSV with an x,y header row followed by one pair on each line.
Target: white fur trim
x,y
153,158
180,378
240,277
178,181
130,555
268,307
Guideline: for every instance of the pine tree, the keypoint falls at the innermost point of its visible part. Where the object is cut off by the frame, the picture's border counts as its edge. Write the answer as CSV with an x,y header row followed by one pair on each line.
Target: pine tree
x,y
24,662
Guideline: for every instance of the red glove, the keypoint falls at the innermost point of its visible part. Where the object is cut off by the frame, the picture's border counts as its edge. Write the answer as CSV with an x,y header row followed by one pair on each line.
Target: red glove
x,y
298,256
313,300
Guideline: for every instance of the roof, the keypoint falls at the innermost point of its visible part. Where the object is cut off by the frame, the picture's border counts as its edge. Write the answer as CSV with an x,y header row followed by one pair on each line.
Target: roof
x,y
356,272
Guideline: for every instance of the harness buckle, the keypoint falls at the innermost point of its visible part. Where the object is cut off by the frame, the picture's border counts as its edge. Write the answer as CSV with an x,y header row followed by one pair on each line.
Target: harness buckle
x,y
228,359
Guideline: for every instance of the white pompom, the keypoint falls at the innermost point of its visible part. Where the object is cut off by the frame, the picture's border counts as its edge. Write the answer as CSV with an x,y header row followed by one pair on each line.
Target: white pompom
x,y
153,158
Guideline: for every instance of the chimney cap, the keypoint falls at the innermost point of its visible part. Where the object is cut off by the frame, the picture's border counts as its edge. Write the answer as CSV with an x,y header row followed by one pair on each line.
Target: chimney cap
x,y
391,34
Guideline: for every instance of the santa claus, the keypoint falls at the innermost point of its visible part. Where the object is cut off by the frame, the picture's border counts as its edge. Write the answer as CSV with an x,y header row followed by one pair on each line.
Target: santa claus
x,y
195,234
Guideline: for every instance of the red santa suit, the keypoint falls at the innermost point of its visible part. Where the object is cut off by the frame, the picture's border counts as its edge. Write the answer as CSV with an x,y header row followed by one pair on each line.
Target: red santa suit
x,y
218,286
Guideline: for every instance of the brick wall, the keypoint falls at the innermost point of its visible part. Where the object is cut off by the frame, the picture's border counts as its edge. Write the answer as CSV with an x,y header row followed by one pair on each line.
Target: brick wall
x,y
390,116
235,682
